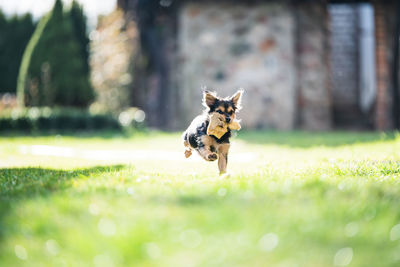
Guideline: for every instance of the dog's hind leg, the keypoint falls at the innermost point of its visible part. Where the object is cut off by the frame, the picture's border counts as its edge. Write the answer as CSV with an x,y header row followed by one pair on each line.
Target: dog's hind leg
x,y
188,150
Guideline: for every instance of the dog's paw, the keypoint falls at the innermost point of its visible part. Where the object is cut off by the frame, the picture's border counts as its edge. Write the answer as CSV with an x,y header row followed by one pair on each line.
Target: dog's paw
x,y
212,156
188,153
224,175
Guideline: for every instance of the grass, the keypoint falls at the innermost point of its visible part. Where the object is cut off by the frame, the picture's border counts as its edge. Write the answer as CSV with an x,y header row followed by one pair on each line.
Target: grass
x,y
293,199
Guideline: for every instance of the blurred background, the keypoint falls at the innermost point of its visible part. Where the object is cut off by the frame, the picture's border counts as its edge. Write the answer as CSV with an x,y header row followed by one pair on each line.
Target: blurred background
x,y
313,65
93,94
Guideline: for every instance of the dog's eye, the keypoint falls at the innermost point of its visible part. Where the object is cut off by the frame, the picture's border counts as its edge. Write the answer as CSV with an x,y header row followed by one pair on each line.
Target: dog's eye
x,y
230,112
219,111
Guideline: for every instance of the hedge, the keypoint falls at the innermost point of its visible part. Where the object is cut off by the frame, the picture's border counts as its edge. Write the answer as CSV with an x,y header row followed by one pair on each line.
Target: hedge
x,y
58,119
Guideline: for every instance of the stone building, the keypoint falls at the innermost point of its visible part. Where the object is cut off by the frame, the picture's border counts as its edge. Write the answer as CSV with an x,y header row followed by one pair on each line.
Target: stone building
x,y
304,64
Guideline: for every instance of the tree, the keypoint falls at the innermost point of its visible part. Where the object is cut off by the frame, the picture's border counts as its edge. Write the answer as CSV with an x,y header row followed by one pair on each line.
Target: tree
x,y
15,33
53,71
79,25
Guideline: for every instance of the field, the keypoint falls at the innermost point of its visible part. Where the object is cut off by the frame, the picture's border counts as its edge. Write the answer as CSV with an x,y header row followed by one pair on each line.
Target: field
x,y
292,199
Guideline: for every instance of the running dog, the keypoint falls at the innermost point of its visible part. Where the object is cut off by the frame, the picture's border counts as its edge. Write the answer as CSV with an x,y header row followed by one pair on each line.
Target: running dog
x,y
198,135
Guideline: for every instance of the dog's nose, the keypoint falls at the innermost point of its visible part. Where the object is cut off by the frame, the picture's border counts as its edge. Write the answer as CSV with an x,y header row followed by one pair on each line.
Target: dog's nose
x,y
228,119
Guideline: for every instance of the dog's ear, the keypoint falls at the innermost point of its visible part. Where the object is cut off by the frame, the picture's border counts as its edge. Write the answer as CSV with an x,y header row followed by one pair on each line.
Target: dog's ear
x,y
237,99
209,99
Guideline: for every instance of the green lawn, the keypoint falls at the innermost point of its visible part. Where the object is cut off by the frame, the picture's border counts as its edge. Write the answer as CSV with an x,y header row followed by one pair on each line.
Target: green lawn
x,y
293,199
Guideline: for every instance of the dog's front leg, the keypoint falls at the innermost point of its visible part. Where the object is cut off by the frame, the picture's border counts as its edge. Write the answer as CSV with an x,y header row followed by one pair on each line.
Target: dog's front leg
x,y
222,163
206,148
207,154
223,150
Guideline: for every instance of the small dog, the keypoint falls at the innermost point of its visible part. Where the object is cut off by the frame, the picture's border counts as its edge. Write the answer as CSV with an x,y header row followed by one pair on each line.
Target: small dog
x,y
210,147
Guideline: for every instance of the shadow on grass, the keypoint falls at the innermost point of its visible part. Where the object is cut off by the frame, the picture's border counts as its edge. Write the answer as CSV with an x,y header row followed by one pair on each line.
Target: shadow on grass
x,y
302,139
23,183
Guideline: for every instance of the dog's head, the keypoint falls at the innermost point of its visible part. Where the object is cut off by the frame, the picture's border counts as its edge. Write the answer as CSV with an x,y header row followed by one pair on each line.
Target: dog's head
x,y
227,107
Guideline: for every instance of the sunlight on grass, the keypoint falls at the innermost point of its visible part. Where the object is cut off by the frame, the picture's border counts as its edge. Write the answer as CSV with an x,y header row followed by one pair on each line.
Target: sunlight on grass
x,y
312,200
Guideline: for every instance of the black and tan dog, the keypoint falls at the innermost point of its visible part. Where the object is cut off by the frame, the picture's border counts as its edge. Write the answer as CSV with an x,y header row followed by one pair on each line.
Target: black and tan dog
x,y
209,146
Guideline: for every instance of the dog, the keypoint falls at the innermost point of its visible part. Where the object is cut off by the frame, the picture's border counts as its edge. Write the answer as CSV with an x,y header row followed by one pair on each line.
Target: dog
x,y
210,147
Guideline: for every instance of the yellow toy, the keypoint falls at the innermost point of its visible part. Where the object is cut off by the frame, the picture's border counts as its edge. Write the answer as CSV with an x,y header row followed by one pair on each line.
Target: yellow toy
x,y
218,127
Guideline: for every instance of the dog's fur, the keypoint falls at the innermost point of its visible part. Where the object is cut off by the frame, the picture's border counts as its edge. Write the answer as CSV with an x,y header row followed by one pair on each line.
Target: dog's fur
x,y
210,147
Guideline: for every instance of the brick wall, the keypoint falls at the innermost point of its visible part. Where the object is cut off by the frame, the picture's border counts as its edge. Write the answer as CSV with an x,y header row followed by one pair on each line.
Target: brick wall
x,y
384,31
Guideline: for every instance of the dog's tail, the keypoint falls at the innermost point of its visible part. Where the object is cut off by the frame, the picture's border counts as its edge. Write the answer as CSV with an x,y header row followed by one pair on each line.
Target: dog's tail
x,y
185,139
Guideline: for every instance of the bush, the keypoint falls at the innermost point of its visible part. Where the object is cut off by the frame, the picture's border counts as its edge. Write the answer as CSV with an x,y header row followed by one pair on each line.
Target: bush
x,y
57,119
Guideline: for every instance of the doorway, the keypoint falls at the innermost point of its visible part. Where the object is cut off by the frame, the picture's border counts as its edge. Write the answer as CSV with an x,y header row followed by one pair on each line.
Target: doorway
x,y
352,65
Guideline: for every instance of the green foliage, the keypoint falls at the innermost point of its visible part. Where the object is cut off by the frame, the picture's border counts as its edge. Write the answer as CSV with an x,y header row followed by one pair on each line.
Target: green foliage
x,y
53,71
78,19
15,33
333,202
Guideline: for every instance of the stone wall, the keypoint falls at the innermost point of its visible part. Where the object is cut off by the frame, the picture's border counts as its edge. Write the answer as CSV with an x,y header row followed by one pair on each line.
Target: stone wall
x,y
225,47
